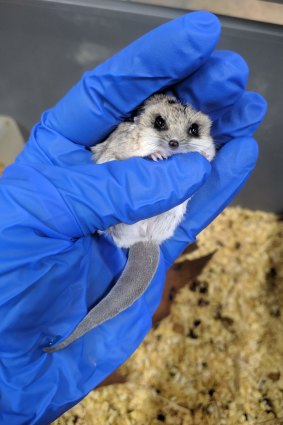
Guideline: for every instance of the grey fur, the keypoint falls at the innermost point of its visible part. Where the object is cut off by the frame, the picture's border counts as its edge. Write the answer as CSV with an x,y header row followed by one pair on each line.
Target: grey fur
x,y
130,286
140,138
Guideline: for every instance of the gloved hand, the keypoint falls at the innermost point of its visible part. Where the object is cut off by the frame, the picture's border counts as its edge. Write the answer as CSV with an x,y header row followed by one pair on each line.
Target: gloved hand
x,y
54,266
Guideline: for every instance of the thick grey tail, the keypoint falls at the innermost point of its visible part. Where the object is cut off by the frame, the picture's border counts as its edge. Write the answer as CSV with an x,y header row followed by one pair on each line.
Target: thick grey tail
x,y
142,264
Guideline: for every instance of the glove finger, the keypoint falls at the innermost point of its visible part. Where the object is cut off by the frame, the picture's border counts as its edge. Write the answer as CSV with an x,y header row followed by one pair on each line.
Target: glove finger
x,y
230,170
83,199
219,83
241,119
108,94
228,173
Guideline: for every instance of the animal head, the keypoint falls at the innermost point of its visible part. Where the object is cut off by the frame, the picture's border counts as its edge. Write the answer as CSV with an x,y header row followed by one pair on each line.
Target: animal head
x,y
172,127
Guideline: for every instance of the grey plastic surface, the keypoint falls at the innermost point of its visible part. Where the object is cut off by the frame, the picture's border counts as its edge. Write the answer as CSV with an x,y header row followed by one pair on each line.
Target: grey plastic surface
x,y
45,46
11,140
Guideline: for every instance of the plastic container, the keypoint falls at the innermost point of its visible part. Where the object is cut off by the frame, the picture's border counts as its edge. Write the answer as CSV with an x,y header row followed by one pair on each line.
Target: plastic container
x,y
45,46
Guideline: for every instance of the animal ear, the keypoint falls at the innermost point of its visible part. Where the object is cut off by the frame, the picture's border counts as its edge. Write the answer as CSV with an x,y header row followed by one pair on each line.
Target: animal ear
x,y
152,100
136,113
157,98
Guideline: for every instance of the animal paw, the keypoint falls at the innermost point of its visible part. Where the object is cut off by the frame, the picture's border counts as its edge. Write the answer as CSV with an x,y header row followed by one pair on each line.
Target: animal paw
x,y
158,156
207,155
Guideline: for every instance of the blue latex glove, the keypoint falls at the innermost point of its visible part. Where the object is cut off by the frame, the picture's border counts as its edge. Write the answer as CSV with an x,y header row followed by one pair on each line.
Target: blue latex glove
x,y
54,267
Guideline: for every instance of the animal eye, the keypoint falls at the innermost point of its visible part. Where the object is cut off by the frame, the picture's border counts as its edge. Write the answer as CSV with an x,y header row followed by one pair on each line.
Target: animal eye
x,y
159,123
194,130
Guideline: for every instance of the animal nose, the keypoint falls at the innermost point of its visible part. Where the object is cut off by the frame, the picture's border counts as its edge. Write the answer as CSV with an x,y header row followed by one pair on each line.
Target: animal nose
x,y
173,144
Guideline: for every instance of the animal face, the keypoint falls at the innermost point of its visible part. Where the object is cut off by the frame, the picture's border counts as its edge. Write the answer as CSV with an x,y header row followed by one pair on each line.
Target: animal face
x,y
171,127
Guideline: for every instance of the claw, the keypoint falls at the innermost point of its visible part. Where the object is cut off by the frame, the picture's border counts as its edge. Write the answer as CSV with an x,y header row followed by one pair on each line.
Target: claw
x,y
153,157
158,156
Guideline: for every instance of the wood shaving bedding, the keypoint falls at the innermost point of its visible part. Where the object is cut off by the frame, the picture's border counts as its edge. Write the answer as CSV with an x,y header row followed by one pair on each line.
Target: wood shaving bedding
x,y
218,357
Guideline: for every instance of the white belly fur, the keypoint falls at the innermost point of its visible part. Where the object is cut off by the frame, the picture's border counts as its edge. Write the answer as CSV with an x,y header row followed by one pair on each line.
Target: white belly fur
x,y
155,229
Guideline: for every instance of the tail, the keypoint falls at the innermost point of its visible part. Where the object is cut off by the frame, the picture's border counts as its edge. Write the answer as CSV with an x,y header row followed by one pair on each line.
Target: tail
x,y
142,264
